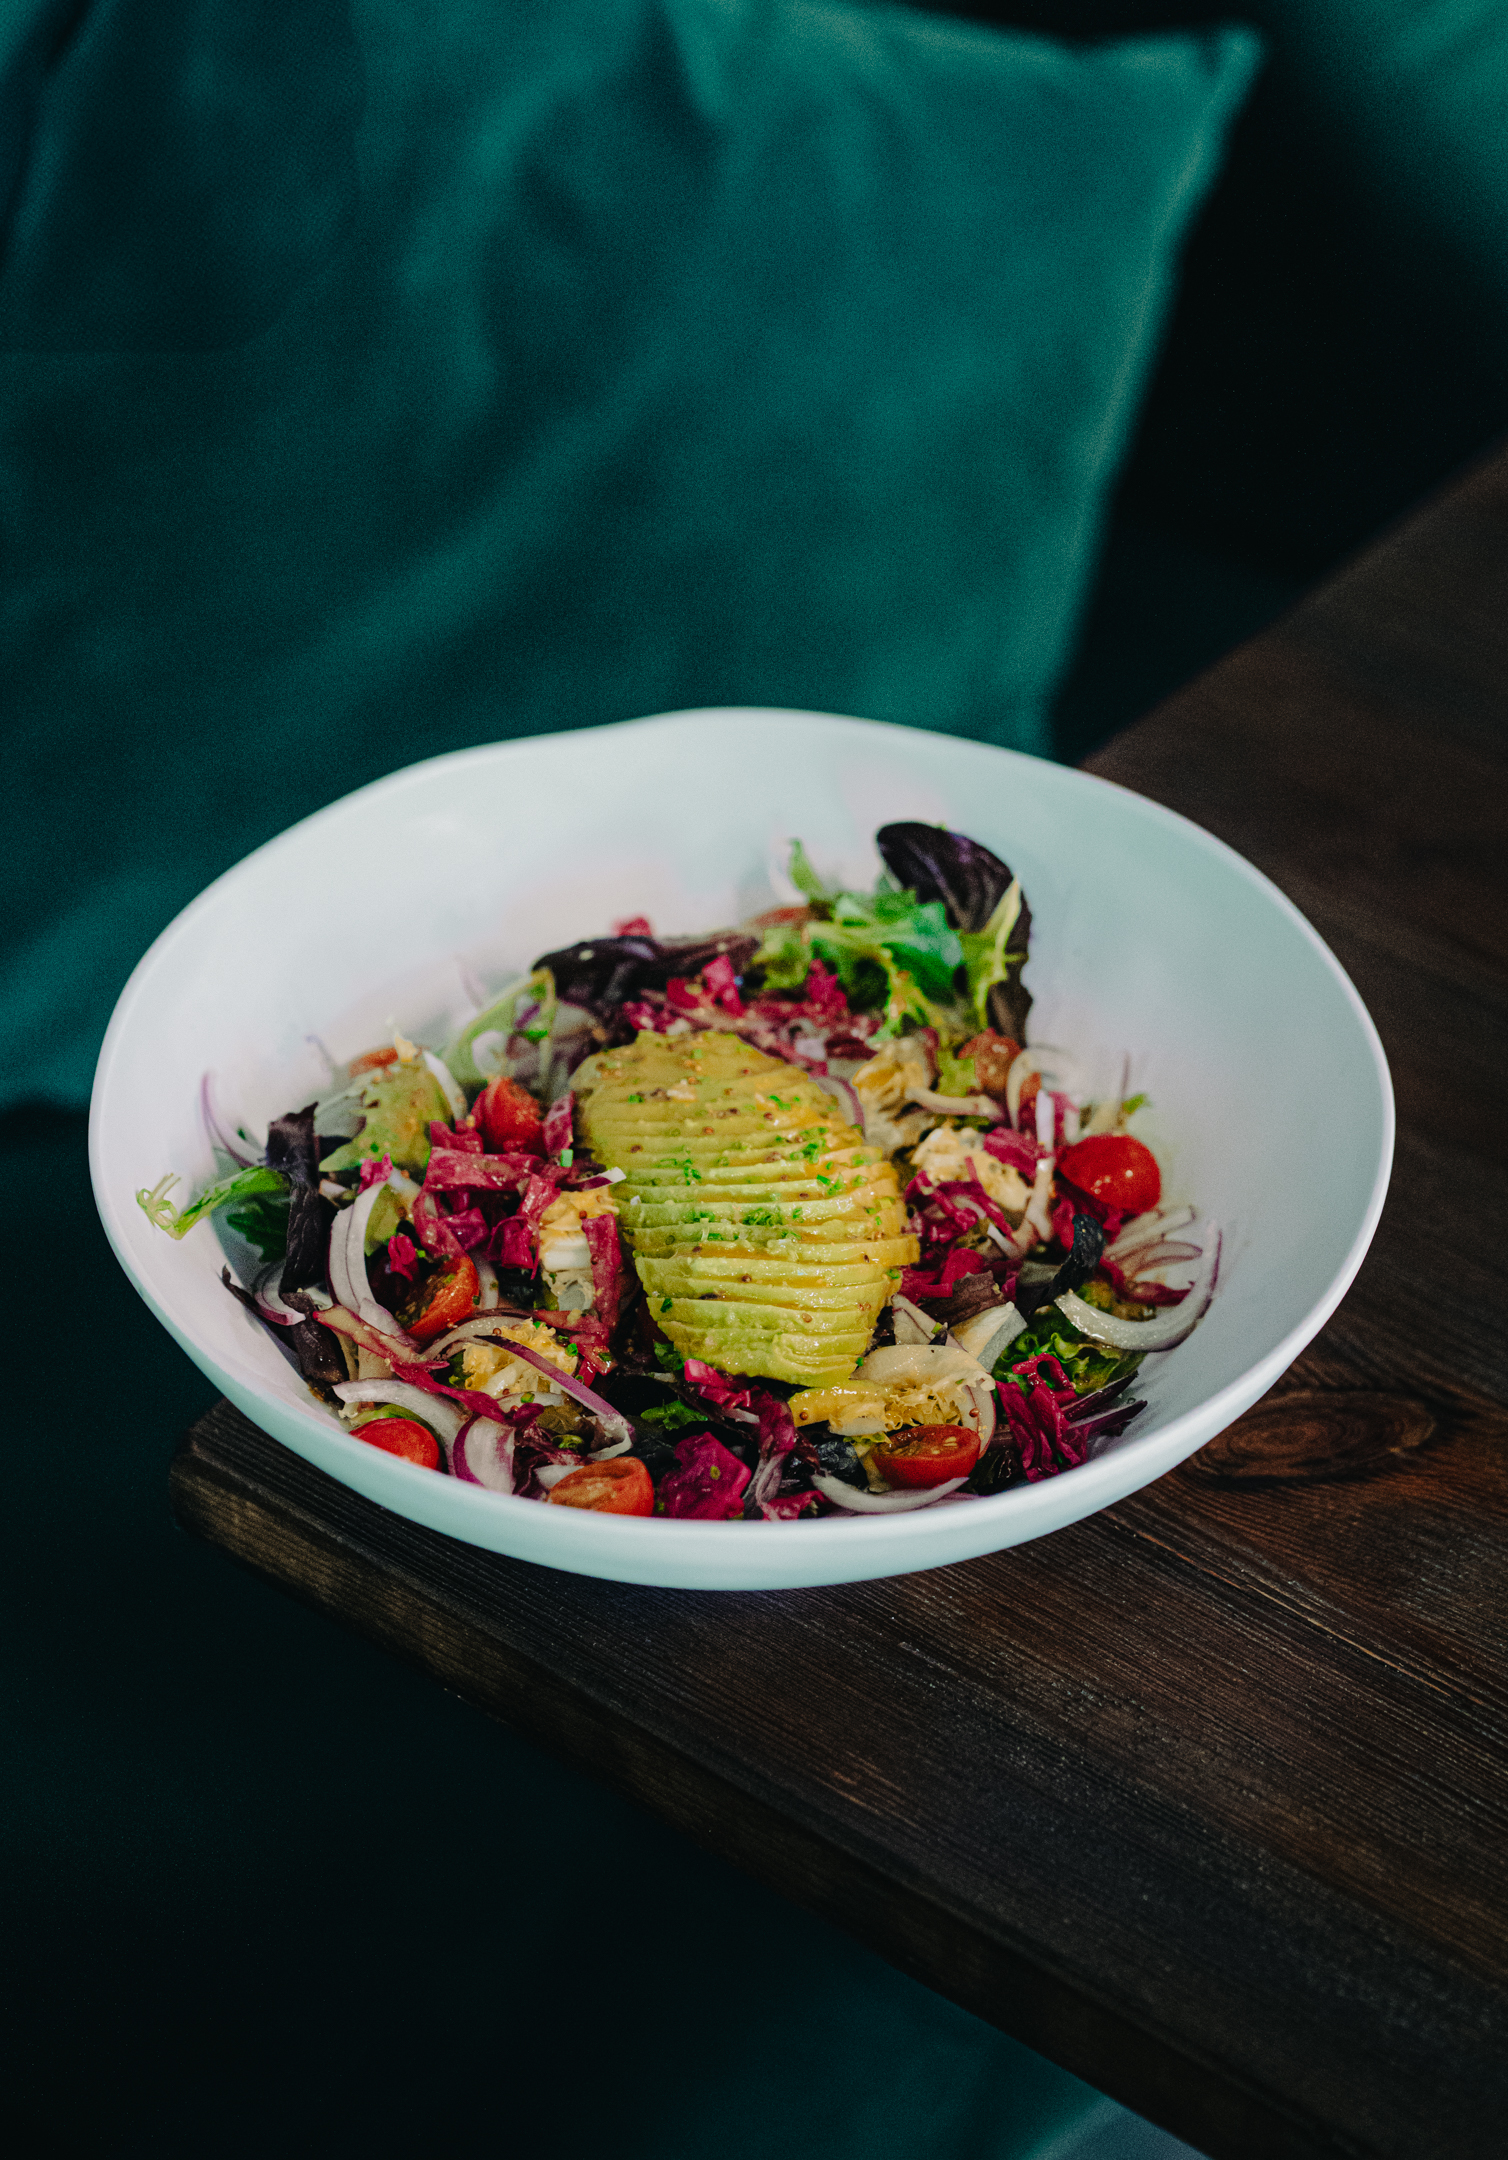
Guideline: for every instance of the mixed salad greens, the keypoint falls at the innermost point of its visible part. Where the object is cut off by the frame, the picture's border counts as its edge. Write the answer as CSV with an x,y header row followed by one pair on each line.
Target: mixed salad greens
x,y
781,1222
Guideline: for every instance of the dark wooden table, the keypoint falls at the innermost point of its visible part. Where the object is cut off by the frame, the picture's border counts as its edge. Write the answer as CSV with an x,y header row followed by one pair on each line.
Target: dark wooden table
x,y
1206,1798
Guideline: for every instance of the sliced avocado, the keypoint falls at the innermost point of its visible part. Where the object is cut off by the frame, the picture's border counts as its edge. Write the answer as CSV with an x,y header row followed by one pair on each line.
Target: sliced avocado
x,y
398,1102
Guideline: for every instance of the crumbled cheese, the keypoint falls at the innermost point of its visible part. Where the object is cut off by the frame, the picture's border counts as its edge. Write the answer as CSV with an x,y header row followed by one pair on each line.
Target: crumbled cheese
x,y
488,1367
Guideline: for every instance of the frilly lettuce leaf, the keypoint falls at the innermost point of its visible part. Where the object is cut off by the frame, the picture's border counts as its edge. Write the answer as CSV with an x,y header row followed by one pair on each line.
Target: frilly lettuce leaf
x,y
240,1185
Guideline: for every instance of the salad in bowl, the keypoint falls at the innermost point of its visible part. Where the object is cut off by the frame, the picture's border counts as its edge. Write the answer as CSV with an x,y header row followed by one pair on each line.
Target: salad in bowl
x,y
789,1220
904,1227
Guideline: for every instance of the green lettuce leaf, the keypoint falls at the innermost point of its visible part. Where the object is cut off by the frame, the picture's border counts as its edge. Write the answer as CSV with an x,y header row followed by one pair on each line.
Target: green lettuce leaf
x,y
1088,1364
240,1185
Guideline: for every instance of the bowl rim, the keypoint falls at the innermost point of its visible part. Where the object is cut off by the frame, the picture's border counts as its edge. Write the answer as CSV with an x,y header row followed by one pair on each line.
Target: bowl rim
x,y
1094,1484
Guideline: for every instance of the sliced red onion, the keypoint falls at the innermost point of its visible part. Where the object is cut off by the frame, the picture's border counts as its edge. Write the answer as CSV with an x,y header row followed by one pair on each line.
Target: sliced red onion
x,y
1164,1333
1021,1071
911,1323
1148,1229
606,1454
485,1326
990,1332
844,1096
348,1266
269,1303
483,1454
920,1365
551,1473
855,1502
1162,1254
241,1151
612,1421
1047,1119
1038,1217
442,1073
957,1105
397,1349
489,1295
435,1411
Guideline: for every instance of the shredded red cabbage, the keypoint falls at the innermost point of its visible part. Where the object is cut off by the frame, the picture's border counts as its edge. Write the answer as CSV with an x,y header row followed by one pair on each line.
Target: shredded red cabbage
x,y
559,1126
722,985
433,1226
708,1486
777,1438
375,1173
464,1138
716,1387
1017,1150
402,1255
515,1242
940,1282
461,1170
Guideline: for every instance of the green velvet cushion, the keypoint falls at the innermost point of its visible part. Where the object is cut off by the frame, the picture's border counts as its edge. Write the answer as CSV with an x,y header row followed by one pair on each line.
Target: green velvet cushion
x,y
1415,95
429,375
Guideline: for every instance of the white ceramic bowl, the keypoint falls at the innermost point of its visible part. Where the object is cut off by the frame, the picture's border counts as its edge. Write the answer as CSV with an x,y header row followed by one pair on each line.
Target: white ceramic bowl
x,y
1270,1101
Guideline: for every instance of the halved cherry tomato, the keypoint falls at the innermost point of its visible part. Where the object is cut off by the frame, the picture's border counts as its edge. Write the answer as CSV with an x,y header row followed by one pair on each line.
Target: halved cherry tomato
x,y
620,1487
404,1437
510,1118
929,1455
1115,1170
372,1061
441,1301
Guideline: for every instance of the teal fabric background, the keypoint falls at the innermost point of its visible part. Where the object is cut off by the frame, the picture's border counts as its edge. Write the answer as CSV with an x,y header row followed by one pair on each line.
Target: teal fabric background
x,y
425,376
1415,95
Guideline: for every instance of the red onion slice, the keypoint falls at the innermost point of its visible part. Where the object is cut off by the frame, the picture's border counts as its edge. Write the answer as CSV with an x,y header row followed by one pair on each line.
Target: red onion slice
x,y
1148,1229
396,1349
442,1417
348,1267
266,1290
483,1328
855,1502
483,1455
1165,1333
612,1421
989,1332
957,1105
551,1473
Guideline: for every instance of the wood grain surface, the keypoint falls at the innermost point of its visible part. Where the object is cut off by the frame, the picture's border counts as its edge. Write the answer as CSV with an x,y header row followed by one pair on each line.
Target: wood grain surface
x,y
1207,1797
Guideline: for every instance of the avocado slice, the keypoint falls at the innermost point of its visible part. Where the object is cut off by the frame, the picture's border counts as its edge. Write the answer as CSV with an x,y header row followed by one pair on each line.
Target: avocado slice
x,y
398,1101
766,1232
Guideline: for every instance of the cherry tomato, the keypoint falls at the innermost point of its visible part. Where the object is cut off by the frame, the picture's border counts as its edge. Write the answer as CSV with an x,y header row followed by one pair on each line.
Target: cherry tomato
x,y
930,1455
372,1061
619,1487
994,1054
442,1301
510,1118
404,1437
1115,1170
